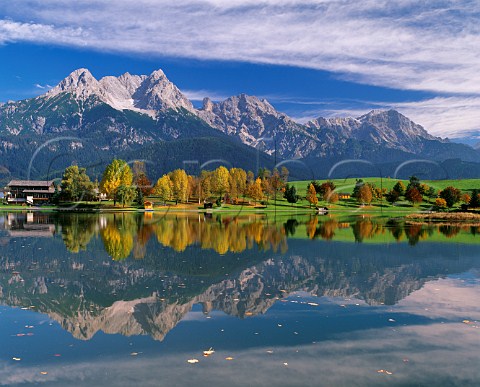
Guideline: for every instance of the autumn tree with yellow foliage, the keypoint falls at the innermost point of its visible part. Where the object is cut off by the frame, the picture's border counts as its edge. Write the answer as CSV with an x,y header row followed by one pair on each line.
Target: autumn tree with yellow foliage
x,y
312,195
164,188
116,174
179,180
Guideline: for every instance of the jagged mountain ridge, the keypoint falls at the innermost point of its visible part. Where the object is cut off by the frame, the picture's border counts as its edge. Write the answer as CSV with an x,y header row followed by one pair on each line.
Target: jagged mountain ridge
x,y
145,94
134,298
128,112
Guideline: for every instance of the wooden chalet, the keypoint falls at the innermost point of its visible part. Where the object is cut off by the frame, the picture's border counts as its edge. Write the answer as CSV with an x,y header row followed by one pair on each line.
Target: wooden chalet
x,y
31,192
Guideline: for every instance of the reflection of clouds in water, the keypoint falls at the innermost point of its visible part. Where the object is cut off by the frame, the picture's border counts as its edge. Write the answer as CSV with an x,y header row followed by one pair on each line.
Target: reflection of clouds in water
x,y
448,298
443,352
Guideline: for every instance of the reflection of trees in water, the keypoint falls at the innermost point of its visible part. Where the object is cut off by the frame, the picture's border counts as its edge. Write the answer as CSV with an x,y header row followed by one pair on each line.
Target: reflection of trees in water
x,y
327,229
77,231
290,227
124,233
229,235
117,236
366,229
448,230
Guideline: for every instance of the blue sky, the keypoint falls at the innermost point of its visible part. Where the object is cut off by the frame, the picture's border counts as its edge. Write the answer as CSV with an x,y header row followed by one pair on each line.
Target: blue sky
x,y
309,58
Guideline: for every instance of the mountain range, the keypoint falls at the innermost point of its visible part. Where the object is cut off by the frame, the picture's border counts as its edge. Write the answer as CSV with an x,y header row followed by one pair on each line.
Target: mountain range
x,y
90,121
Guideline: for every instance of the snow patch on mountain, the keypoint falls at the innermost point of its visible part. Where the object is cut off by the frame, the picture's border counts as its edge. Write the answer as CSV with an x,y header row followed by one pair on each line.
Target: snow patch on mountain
x,y
140,93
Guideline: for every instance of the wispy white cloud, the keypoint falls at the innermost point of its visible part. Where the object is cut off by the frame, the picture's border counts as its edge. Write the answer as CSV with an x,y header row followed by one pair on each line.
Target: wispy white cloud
x,y
442,116
199,95
404,44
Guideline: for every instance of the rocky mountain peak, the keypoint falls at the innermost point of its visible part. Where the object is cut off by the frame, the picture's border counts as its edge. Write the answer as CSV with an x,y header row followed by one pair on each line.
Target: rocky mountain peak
x,y
157,93
158,74
145,94
207,104
80,82
393,121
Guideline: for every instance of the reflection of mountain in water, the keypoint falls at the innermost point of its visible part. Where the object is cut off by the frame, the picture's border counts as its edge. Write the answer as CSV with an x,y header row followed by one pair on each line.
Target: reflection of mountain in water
x,y
88,291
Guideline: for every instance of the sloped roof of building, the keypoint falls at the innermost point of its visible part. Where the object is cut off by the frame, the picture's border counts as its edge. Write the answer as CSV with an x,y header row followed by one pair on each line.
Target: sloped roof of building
x,y
30,183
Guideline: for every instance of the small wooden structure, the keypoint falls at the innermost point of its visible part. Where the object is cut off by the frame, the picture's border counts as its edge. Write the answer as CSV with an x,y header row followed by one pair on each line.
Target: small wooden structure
x,y
321,210
148,205
344,195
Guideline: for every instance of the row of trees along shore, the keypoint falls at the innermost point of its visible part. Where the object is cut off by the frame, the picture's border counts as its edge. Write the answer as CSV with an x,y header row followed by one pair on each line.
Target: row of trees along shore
x,y
124,184
415,192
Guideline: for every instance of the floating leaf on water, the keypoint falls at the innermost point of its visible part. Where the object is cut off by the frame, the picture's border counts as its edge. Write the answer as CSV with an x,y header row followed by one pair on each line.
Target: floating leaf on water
x,y
43,372
229,358
385,372
208,352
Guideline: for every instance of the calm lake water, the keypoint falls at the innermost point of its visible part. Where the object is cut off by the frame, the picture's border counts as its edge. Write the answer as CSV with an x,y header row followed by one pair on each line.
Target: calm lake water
x,y
130,299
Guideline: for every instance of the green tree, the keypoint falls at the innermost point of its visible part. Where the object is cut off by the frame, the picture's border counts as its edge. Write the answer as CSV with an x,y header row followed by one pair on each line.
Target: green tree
x,y
356,190
76,184
451,195
290,194
164,188
264,173
399,187
475,199
139,198
414,182
125,194
392,196
56,195
116,174
431,193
